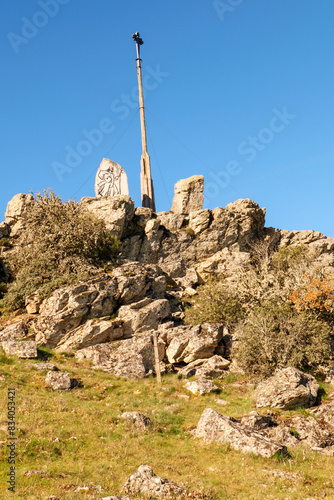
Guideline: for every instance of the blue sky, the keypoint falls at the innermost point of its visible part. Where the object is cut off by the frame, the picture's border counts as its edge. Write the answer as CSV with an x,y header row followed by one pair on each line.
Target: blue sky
x,y
240,91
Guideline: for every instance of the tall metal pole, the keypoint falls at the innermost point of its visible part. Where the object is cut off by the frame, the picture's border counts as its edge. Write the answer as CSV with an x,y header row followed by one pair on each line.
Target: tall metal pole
x,y
146,182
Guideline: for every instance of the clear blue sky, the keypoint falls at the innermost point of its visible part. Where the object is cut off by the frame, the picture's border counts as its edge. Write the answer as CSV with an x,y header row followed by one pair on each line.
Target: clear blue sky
x,y
240,91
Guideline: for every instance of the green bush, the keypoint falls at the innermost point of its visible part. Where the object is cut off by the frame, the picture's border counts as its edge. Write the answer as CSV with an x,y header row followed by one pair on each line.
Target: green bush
x,y
60,243
214,303
274,337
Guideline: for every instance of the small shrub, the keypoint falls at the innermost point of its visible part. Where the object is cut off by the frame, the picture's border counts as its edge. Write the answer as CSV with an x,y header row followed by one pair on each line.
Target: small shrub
x,y
5,243
214,304
60,243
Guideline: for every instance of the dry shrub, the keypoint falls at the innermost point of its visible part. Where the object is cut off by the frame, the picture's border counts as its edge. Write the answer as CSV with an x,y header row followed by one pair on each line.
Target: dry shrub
x,y
273,337
60,243
281,307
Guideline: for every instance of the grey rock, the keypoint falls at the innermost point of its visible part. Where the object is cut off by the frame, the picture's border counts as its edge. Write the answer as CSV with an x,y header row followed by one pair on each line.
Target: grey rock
x,y
131,358
213,367
59,380
214,427
32,303
201,386
25,349
256,422
137,420
191,343
199,220
44,366
17,207
310,432
287,389
172,222
135,281
325,413
148,485
188,195
13,332
94,331
69,307
116,211
143,316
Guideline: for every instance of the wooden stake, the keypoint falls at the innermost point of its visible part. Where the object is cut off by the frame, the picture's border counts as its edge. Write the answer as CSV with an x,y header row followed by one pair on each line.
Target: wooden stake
x,y
156,356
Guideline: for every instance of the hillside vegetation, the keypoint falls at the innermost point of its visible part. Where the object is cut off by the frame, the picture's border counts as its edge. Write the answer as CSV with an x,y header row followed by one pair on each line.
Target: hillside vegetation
x,y
75,439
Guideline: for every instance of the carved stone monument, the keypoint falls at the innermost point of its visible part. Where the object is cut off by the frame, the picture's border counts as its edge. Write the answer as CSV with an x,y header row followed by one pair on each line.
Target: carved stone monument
x,y
111,179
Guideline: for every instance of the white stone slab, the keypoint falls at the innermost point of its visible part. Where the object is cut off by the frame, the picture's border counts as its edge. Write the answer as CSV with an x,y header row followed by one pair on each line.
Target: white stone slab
x,y
111,179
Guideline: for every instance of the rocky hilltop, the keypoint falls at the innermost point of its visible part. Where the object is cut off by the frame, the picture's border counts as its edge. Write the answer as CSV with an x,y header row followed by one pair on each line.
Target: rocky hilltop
x,y
114,317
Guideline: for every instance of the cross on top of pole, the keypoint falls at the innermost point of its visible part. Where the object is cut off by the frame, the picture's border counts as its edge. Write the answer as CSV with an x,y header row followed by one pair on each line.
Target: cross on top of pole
x,y
138,41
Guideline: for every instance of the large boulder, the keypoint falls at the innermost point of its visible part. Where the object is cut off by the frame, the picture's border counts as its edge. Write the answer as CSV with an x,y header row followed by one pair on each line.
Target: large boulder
x,y
131,358
135,281
287,389
94,331
146,484
188,195
15,331
17,207
144,315
214,427
191,343
25,349
201,386
116,211
325,412
199,220
213,367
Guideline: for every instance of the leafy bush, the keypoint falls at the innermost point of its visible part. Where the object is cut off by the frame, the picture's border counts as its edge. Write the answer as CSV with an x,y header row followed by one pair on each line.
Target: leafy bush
x,y
60,243
214,303
281,306
272,337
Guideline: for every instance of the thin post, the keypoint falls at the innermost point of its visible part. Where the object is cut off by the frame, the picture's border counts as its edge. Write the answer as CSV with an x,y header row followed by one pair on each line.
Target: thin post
x,y
156,357
146,182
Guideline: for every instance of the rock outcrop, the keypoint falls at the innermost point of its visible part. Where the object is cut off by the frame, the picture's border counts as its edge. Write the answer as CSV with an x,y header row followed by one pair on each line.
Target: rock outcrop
x,y
214,427
192,343
188,195
132,358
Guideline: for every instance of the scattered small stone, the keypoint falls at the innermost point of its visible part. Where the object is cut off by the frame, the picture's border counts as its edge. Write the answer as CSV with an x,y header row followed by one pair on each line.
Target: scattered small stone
x,y
60,380
137,420
221,402
44,366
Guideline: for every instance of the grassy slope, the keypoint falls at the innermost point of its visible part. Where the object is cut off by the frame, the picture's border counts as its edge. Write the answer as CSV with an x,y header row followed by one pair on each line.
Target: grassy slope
x,y
75,439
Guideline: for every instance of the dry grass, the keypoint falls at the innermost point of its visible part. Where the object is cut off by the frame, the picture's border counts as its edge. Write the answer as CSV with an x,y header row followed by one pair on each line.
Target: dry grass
x,y
73,444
